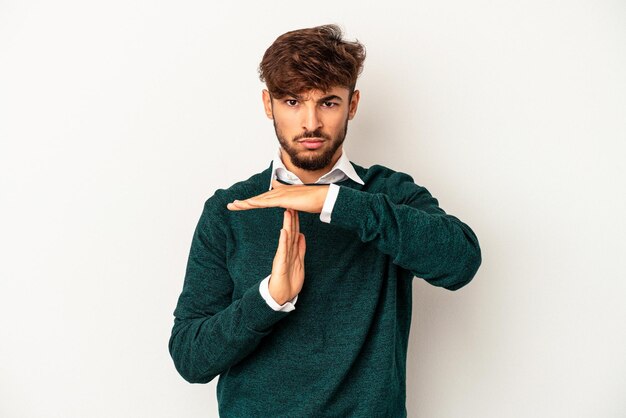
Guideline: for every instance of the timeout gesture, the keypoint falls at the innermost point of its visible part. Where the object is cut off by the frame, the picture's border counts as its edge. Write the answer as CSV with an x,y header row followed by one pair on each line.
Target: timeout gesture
x,y
287,275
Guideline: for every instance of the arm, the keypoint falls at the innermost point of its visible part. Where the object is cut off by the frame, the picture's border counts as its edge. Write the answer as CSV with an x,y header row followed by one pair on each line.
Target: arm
x,y
212,332
405,222
402,219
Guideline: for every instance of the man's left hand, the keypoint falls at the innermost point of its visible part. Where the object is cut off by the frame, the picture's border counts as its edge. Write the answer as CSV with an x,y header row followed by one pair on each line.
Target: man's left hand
x,y
298,197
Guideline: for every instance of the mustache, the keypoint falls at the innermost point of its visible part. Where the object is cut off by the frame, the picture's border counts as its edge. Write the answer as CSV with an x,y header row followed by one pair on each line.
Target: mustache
x,y
315,134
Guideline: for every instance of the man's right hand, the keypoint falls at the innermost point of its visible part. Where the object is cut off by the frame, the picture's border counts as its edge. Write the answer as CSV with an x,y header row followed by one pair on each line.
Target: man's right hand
x,y
288,267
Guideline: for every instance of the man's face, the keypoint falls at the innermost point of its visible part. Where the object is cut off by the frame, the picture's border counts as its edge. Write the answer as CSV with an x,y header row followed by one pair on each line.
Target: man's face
x,y
312,126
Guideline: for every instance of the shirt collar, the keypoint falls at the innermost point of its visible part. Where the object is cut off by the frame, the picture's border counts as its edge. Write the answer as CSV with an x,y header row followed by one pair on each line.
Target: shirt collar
x,y
341,170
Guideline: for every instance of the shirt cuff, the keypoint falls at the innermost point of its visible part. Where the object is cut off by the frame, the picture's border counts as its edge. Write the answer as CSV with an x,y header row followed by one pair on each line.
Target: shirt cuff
x,y
265,293
329,203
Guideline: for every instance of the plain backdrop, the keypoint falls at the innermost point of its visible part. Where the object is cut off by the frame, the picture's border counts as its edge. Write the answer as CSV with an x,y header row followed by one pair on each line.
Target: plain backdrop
x,y
118,120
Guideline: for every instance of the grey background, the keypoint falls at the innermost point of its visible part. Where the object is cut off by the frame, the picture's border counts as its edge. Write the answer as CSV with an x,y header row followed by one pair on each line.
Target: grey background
x,y
118,119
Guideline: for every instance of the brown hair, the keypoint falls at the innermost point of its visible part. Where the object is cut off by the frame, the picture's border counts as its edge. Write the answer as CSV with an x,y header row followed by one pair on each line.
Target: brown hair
x,y
314,58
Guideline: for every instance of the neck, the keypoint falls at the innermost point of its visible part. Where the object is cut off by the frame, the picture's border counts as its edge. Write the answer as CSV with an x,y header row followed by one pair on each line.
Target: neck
x,y
307,176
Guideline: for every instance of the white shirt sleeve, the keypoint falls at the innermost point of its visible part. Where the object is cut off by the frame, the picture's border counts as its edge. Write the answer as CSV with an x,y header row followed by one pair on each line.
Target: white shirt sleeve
x,y
265,293
329,203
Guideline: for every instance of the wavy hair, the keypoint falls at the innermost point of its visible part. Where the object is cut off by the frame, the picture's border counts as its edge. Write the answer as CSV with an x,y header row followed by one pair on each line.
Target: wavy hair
x,y
311,59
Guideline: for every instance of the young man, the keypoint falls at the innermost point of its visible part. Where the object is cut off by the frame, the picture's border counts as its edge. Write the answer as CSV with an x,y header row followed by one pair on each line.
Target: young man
x,y
299,297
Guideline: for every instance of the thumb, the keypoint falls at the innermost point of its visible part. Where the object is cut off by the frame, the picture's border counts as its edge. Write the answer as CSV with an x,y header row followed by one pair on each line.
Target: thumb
x,y
277,184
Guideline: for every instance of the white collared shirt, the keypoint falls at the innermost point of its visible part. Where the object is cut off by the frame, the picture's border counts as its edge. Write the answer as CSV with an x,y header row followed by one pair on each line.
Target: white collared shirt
x,y
340,171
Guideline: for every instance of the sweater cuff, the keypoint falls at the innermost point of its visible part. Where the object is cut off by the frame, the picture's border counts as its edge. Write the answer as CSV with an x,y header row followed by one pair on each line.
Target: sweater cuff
x,y
353,208
256,313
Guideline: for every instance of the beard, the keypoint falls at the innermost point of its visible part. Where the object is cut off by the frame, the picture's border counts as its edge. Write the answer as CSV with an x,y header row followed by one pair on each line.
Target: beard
x,y
312,160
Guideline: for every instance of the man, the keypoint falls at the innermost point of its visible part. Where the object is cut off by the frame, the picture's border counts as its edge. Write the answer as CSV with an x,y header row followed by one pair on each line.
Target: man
x,y
298,286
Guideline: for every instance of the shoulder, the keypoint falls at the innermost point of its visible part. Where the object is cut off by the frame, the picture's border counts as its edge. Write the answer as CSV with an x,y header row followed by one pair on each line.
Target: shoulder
x,y
379,177
399,186
252,186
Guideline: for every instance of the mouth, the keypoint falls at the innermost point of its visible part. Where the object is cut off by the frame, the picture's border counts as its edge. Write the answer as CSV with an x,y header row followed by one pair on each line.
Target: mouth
x,y
311,143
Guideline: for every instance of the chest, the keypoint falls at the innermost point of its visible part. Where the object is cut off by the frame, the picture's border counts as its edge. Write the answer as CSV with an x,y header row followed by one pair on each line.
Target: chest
x,y
331,252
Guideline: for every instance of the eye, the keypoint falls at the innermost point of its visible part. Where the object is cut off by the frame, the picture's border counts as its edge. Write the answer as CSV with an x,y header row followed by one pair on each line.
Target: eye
x,y
291,102
329,104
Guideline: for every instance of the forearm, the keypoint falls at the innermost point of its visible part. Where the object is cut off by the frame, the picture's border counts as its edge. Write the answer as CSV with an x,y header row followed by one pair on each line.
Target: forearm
x,y
419,235
212,331
204,346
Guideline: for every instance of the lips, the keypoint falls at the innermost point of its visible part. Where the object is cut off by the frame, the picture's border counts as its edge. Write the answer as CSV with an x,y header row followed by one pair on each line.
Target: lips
x,y
312,143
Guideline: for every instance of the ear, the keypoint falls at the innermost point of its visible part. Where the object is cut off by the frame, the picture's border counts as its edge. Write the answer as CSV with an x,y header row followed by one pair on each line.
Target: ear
x,y
354,104
267,104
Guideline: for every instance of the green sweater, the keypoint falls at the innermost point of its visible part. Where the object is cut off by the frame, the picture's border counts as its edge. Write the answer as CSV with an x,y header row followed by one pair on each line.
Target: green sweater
x,y
342,351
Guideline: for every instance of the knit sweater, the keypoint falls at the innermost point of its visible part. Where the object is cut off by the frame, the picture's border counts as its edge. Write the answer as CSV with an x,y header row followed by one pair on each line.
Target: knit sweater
x,y
342,351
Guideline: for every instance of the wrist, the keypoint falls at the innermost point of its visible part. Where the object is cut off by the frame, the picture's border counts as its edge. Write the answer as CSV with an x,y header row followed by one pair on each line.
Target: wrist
x,y
279,296
323,196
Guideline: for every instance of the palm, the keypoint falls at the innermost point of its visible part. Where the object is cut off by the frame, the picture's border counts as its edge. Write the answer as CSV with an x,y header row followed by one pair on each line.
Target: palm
x,y
288,266
288,272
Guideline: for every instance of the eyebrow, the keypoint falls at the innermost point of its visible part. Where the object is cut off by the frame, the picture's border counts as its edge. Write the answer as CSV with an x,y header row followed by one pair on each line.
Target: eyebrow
x,y
329,98
323,99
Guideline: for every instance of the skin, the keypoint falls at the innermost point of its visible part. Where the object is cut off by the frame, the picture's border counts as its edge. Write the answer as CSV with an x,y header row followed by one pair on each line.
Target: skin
x,y
311,115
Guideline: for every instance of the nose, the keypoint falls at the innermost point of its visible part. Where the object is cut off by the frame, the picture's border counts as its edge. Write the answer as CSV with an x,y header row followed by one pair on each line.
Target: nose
x,y
311,120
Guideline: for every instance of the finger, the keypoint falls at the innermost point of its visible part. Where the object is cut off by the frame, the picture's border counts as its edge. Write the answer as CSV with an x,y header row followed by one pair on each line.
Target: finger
x,y
258,201
266,195
282,246
232,206
291,226
287,224
288,232
251,203
286,220
294,227
296,231
301,247
241,205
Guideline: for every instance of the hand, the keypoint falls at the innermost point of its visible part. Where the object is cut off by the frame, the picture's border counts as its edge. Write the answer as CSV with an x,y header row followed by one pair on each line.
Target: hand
x,y
288,267
298,197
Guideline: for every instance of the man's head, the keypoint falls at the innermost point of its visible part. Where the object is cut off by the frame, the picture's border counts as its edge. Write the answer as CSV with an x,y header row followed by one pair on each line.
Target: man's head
x,y
311,78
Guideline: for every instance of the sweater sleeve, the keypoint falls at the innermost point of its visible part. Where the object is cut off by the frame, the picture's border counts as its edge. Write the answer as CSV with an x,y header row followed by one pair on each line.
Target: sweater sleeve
x,y
405,222
211,331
